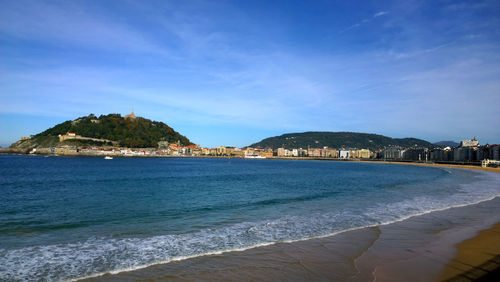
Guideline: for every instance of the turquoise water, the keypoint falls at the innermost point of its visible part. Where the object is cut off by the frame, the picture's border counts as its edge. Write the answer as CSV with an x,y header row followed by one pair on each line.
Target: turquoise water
x,y
66,218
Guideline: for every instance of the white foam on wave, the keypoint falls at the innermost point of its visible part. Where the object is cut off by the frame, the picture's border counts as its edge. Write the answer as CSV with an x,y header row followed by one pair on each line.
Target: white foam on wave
x,y
97,256
485,189
101,255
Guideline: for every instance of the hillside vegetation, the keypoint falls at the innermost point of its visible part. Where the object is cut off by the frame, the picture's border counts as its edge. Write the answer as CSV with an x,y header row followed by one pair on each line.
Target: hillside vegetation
x,y
338,140
451,144
134,133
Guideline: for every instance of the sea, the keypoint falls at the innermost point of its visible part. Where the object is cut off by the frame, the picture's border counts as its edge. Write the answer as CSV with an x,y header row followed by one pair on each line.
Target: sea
x,y
65,218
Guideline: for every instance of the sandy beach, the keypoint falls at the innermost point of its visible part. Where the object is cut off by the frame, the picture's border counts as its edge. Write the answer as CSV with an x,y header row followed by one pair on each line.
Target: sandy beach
x,y
422,248
489,169
474,167
477,257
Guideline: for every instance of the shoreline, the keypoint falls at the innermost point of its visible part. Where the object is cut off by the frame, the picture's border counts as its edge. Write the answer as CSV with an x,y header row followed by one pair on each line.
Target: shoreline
x,y
359,254
365,261
489,169
462,166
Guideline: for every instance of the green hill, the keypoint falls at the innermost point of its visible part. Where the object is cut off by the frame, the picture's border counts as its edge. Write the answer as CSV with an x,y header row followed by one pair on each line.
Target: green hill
x,y
447,144
338,140
134,132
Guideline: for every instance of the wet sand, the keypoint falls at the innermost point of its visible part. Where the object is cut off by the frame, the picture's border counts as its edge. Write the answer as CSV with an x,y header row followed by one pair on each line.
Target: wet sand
x,y
422,248
489,169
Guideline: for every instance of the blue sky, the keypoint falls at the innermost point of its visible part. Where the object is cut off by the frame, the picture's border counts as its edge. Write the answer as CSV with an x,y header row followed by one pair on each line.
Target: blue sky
x,y
234,72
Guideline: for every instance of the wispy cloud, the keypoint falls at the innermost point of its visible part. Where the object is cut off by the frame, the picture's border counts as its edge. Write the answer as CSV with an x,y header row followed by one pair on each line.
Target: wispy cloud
x,y
381,13
190,66
365,21
410,54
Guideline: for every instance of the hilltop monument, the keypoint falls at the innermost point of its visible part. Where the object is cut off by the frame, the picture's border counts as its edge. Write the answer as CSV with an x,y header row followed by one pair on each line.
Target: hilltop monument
x,y
130,116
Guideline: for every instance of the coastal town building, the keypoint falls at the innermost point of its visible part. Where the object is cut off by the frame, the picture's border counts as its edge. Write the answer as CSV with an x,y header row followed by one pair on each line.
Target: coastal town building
x,y
302,152
332,153
324,152
221,151
282,152
268,153
205,151
416,154
463,153
249,151
343,154
314,152
469,143
391,154
364,154
439,154
360,154
239,153
230,151
494,152
469,151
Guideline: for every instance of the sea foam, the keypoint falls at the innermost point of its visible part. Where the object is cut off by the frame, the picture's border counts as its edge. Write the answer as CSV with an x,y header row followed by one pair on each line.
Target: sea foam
x,y
92,220
100,255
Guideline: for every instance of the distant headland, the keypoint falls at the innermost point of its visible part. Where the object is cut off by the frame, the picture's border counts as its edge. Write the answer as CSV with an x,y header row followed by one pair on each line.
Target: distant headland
x,y
105,132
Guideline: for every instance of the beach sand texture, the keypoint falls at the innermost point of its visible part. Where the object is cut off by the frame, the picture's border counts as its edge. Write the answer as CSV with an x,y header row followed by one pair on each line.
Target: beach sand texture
x,y
477,257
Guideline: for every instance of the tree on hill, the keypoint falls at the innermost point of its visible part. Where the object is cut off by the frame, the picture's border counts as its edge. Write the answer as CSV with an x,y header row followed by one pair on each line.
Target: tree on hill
x,y
338,140
138,132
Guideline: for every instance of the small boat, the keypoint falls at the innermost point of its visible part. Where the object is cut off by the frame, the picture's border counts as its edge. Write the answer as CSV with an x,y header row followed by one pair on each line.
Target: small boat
x,y
108,158
254,156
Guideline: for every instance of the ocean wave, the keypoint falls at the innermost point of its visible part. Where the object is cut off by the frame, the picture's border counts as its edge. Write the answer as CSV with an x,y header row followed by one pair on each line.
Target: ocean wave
x,y
99,255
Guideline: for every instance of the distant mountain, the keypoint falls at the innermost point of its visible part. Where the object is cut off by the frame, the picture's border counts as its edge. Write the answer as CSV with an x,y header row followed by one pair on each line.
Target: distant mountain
x,y
447,144
338,140
128,131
